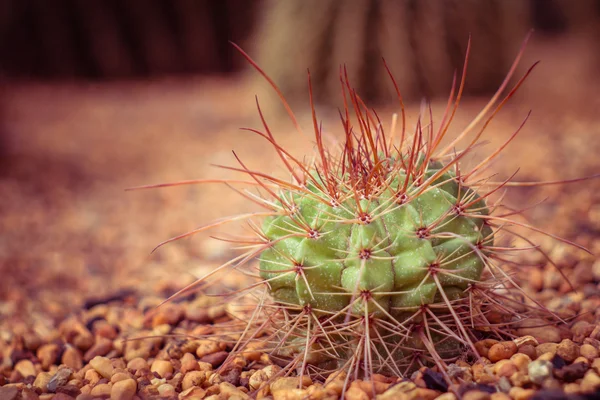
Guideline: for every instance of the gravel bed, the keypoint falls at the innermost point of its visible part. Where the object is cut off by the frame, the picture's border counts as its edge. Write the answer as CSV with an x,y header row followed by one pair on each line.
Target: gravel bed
x,y
78,316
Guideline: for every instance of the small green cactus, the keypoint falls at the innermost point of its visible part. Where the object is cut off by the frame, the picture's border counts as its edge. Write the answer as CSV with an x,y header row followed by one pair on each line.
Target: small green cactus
x,y
384,241
381,257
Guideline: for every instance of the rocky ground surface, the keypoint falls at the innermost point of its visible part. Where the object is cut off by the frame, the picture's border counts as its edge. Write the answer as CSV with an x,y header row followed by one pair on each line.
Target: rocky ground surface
x,y
77,276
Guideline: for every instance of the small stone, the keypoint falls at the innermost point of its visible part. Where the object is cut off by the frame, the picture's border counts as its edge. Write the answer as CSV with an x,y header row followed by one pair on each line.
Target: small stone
x,y
123,390
136,364
101,390
590,382
166,391
48,354
72,358
215,359
170,314
570,373
423,394
528,350
9,392
520,379
287,383
546,348
475,395
483,346
596,365
206,347
59,379
483,373
518,393
582,330
505,368
25,368
568,350
499,396
103,366
447,396
571,388
189,363
588,351
92,376
28,394
101,348
41,381
84,340
162,367
539,371
229,391
119,376
502,351
526,340
521,361
192,393
540,329
581,359
192,379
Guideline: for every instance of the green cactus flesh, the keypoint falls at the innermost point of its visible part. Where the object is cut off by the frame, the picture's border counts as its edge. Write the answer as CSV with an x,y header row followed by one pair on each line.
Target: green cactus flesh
x,y
389,246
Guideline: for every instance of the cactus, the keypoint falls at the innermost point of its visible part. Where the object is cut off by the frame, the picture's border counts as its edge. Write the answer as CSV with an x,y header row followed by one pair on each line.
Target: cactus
x,y
383,256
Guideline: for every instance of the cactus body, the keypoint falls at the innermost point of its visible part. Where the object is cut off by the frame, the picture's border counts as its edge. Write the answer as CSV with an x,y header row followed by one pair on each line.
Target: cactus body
x,y
388,245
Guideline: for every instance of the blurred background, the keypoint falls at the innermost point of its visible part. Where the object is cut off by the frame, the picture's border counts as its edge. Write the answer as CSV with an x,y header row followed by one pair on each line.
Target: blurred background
x,y
100,95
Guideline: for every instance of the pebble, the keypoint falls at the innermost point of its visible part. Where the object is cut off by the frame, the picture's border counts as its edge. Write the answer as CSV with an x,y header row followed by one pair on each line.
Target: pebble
x,y
189,363
206,347
72,358
546,348
590,382
192,393
101,390
356,393
287,383
539,371
136,364
483,346
119,376
528,350
541,330
123,390
9,392
25,368
518,393
59,379
502,351
103,366
42,380
166,391
526,340
521,361
475,395
101,348
570,373
48,354
170,314
215,359
92,376
193,378
568,350
229,391
505,368
588,351
162,367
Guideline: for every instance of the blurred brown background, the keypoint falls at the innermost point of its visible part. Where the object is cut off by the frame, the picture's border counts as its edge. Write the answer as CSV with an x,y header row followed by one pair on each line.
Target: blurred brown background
x,y
100,95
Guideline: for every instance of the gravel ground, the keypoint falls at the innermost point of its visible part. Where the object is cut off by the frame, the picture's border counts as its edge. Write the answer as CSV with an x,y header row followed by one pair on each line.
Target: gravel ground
x,y
77,276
